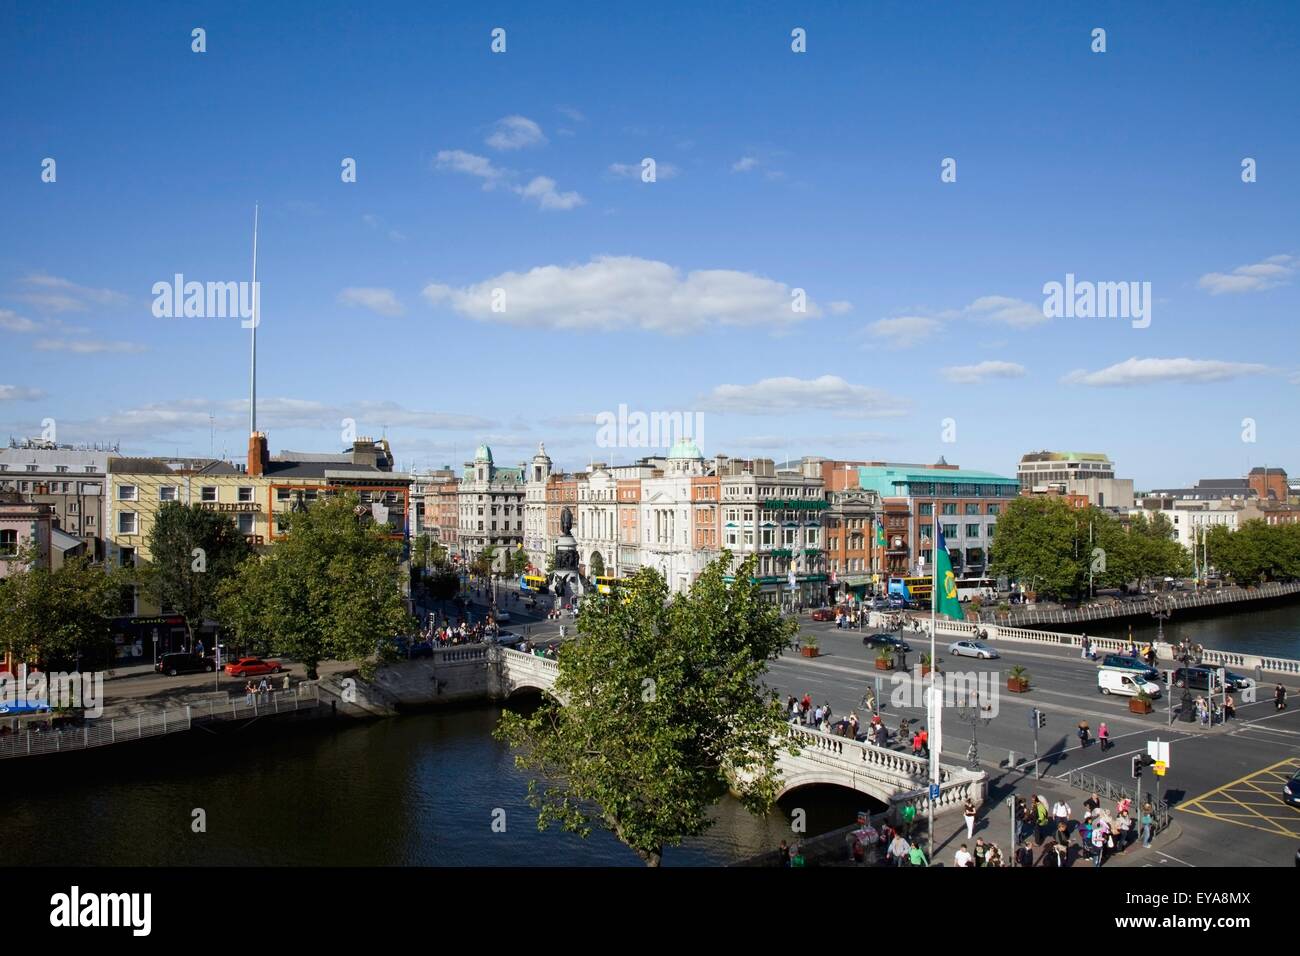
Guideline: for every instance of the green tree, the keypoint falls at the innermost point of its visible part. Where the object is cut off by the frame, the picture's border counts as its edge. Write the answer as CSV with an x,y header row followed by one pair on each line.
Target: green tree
x,y
482,565
330,589
1256,552
666,710
518,561
427,553
597,569
193,550
57,617
1038,543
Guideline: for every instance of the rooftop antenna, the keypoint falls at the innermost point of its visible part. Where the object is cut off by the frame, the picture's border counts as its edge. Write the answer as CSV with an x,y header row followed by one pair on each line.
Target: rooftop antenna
x,y
252,369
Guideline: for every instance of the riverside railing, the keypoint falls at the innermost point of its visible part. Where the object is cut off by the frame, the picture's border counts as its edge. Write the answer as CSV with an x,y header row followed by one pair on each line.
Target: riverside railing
x,y
171,720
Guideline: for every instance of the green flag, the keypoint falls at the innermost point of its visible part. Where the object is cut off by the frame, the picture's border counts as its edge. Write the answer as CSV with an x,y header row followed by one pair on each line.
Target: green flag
x,y
880,534
945,582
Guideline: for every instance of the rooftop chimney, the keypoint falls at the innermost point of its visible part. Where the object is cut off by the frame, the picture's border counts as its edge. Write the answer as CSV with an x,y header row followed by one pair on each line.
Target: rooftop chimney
x,y
258,454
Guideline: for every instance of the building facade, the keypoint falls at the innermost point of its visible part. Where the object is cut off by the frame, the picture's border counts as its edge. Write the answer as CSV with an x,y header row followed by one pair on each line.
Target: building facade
x,y
70,479
491,507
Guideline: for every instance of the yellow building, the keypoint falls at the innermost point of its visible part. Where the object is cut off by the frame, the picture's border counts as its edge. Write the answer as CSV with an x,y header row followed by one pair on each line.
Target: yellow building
x,y
256,495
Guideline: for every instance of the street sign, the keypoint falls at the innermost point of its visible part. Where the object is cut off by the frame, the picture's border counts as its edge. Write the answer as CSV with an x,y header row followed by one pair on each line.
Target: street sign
x,y
934,791
1161,767
1158,751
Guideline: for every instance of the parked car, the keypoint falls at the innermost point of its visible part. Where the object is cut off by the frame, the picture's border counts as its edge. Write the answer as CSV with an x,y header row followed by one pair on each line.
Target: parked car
x,y
898,603
824,614
1291,790
1196,678
173,664
879,604
1127,684
972,649
1133,665
886,640
502,616
252,666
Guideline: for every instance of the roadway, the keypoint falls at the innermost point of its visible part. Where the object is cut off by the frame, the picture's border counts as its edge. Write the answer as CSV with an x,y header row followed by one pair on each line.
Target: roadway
x,y
1223,783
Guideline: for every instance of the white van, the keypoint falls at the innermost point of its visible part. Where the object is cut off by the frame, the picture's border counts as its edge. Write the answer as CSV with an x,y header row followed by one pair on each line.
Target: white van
x,y
1130,684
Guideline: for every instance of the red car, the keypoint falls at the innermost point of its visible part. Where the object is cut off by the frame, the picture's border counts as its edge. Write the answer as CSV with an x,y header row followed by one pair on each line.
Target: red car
x,y
824,614
251,667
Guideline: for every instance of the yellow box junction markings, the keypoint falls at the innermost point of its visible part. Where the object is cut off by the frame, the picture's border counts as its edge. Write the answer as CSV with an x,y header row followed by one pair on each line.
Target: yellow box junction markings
x,y
1246,803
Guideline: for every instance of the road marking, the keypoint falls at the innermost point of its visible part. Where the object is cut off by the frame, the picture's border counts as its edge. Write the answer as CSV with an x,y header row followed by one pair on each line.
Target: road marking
x,y
1281,818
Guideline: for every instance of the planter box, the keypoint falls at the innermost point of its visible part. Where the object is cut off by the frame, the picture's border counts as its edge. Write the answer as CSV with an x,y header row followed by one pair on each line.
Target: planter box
x,y
1017,685
809,651
925,669
1139,706
884,665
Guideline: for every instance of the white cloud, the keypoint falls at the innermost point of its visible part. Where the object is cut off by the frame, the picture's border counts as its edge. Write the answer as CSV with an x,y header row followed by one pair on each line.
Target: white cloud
x,y
382,301
633,170
788,395
13,322
572,114
542,191
904,331
515,132
976,374
840,307
54,294
1155,371
19,393
459,161
1005,310
744,164
1272,272
625,292
86,346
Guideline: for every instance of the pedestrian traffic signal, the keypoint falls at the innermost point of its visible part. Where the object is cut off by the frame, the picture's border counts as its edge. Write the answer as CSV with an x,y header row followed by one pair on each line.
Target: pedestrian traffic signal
x,y
1137,766
1042,717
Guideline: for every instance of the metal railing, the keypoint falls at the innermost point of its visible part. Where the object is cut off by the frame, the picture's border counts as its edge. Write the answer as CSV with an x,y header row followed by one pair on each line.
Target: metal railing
x,y
170,720
1114,791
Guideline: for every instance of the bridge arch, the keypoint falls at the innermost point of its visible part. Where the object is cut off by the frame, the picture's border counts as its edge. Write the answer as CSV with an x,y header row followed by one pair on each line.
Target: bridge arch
x,y
795,779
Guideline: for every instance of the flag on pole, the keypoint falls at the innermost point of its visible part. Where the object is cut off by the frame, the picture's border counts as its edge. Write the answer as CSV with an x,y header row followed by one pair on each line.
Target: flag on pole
x,y
880,533
945,582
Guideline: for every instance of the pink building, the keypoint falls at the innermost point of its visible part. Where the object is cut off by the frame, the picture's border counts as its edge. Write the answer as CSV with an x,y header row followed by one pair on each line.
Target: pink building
x,y
23,524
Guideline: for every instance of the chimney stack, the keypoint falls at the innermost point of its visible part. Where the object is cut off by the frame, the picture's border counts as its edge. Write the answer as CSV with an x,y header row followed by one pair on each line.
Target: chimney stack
x,y
258,455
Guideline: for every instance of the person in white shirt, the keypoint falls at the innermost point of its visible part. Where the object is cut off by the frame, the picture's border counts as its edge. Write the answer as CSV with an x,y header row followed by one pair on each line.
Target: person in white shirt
x,y
1061,813
962,857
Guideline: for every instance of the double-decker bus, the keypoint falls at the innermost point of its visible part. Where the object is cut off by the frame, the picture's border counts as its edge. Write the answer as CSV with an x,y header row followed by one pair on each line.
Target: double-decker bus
x,y
915,589
983,588
532,582
606,584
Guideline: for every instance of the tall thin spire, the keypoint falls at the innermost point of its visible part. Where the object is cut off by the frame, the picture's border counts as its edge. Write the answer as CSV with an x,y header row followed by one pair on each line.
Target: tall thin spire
x,y
252,365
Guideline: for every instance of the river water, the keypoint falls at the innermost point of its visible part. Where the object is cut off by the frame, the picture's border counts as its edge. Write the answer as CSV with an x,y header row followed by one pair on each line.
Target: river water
x,y
418,790
1270,631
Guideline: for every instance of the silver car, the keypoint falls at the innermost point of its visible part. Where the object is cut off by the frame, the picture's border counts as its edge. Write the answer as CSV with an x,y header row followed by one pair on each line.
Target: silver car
x,y
972,649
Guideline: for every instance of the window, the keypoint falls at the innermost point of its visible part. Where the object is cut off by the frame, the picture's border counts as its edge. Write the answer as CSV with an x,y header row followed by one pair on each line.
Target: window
x,y
925,510
991,527
126,523
31,467
166,492
208,493
247,524
950,531
245,493
281,494
972,531
90,469
973,508
995,509
8,544
61,469
24,486
950,508
126,557
127,493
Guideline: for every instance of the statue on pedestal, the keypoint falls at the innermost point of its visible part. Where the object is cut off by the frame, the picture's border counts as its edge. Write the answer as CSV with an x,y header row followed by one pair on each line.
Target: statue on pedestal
x,y
565,579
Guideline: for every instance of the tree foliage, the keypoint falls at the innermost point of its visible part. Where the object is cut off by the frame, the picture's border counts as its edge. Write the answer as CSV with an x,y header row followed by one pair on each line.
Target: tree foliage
x,y
56,617
193,550
665,710
597,569
1256,552
1053,548
329,589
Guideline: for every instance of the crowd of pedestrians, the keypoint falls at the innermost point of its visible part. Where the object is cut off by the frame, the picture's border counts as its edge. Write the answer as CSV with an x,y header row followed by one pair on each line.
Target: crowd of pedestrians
x,y
1097,834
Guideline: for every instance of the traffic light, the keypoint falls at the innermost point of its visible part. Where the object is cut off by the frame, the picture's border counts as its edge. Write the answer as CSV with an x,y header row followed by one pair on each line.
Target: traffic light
x,y
1137,766
1042,717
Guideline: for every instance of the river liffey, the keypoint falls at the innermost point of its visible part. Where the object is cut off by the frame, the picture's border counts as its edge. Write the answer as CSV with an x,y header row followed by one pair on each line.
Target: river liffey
x,y
417,790
1269,631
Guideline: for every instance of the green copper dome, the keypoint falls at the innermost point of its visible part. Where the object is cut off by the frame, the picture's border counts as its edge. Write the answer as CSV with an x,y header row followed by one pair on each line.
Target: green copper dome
x,y
685,448
483,453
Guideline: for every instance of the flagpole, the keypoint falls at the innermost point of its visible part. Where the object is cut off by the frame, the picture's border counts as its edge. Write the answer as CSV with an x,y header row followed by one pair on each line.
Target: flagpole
x,y
934,710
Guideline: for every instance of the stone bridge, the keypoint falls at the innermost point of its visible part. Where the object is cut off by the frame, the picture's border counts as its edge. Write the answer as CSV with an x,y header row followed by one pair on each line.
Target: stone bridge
x,y
808,756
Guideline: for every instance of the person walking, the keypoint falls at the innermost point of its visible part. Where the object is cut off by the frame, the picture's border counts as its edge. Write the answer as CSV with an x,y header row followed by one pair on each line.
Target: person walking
x,y
925,743
1103,736
1123,831
1279,697
1083,734
1040,818
898,850
1147,820
962,857
1025,854
909,818
1061,813
783,854
969,813
915,857
1098,844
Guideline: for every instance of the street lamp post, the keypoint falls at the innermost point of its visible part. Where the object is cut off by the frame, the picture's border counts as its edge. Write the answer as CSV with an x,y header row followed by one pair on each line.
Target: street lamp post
x,y
972,712
1161,609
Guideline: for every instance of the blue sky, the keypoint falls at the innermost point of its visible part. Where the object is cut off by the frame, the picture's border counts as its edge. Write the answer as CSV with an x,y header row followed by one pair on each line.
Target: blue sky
x,y
776,170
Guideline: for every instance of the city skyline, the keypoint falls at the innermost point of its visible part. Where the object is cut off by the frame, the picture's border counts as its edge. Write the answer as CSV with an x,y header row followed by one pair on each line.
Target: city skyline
x,y
478,171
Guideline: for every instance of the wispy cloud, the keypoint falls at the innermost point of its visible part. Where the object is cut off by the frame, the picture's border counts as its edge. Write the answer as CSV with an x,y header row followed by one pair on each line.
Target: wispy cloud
x,y
49,293
1004,310
904,331
840,307
571,113
459,161
87,346
1157,371
1272,272
382,301
976,374
744,164
625,292
515,132
19,393
788,396
542,191
13,322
